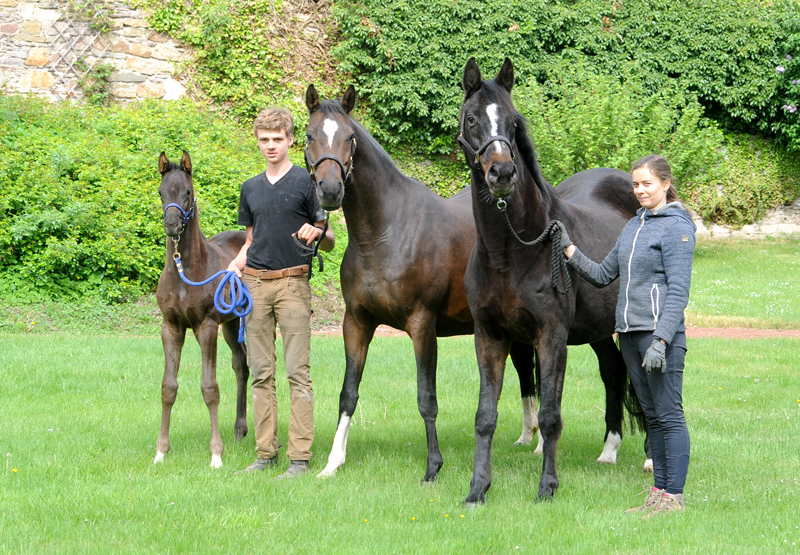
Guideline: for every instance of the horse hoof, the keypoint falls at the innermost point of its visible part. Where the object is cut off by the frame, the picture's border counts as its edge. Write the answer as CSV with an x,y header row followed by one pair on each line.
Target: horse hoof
x,y
159,457
648,466
216,461
606,460
522,442
327,472
543,498
472,504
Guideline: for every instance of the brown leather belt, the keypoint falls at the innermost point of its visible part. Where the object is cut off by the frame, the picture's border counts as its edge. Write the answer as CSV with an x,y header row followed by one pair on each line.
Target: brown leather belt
x,y
275,274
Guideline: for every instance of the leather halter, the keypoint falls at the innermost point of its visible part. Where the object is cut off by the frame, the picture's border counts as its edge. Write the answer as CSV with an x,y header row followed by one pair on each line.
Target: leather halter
x,y
347,175
477,154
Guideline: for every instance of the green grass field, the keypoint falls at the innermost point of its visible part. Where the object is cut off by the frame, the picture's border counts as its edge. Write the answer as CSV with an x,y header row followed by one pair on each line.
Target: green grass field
x,y
81,416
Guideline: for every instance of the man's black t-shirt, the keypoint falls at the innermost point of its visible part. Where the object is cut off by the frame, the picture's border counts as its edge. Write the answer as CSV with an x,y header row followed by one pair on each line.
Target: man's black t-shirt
x,y
276,212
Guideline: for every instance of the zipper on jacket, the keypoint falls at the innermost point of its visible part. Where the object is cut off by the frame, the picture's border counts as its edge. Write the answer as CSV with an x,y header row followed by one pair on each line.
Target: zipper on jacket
x,y
654,304
628,285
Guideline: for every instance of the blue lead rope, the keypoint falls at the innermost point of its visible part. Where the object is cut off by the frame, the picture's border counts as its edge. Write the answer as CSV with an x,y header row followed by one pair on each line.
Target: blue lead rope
x,y
241,302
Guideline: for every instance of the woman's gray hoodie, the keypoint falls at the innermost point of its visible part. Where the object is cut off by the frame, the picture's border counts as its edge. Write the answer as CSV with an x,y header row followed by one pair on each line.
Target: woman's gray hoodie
x,y
653,257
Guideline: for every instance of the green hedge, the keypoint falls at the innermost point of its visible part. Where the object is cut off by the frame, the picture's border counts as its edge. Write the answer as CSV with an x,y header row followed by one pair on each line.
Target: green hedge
x,y
79,209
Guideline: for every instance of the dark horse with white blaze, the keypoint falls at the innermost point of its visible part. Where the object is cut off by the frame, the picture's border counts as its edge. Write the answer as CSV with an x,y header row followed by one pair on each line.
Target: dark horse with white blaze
x,y
404,267
185,306
511,288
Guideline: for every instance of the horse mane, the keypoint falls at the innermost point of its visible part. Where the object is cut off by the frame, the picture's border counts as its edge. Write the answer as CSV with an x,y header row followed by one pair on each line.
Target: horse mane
x,y
528,152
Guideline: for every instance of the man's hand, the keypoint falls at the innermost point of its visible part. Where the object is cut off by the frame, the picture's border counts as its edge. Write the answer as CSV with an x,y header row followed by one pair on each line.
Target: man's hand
x,y
232,267
308,233
656,356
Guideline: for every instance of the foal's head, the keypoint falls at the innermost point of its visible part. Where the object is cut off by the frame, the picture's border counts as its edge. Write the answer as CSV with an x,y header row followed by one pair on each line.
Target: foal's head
x,y
176,192
489,126
330,145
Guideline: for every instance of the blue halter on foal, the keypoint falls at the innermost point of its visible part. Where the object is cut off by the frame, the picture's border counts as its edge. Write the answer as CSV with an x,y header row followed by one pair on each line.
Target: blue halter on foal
x,y
187,214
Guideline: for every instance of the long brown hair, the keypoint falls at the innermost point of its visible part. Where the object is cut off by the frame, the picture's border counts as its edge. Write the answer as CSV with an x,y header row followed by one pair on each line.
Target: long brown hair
x,y
659,167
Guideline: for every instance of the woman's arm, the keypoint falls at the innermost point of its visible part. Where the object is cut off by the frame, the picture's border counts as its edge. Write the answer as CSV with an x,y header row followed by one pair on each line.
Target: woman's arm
x,y
677,249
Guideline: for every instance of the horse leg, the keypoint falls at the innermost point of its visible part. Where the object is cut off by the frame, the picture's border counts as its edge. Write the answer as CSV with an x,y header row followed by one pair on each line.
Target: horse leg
x,y
423,334
522,356
172,338
206,334
615,378
491,354
552,352
230,331
357,338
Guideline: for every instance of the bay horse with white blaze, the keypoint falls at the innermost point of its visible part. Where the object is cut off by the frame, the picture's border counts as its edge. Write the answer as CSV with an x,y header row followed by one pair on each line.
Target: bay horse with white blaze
x,y
184,306
404,267
512,289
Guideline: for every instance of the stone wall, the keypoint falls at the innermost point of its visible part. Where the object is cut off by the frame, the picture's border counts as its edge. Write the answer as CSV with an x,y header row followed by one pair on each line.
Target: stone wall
x,y
41,39
783,220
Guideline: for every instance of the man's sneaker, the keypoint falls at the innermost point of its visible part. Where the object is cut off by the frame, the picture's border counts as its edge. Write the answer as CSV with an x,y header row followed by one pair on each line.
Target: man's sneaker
x,y
259,465
668,504
650,502
296,468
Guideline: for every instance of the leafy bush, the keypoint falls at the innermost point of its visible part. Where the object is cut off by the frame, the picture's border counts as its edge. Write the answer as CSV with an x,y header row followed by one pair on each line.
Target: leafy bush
x,y
407,57
788,124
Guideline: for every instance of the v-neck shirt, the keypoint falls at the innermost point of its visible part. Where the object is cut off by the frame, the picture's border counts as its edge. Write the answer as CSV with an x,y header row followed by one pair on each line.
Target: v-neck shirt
x,y
276,211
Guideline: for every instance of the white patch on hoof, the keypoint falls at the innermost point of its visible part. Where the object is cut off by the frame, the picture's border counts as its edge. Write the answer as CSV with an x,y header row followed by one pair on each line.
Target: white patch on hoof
x,y
339,448
610,449
648,466
216,461
491,111
539,446
159,457
329,128
530,421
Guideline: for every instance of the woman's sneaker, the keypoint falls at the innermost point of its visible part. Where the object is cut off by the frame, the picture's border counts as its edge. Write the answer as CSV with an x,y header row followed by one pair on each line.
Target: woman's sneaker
x,y
650,502
669,503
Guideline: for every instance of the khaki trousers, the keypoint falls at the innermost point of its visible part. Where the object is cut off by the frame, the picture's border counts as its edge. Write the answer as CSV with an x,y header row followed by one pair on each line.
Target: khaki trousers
x,y
286,302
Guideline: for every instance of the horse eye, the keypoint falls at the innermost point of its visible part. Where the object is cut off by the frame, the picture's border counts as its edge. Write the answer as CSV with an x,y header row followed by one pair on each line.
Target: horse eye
x,y
471,120
309,138
351,138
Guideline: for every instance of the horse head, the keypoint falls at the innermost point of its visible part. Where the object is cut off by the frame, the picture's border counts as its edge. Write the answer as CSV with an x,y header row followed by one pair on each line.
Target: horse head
x,y
330,145
176,192
489,124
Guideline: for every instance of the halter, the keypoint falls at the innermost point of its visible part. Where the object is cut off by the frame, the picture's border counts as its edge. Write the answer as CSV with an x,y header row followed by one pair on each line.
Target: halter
x,y
347,175
477,154
187,214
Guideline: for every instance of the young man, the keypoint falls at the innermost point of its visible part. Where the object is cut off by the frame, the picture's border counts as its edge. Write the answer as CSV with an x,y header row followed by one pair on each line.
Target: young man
x,y
274,206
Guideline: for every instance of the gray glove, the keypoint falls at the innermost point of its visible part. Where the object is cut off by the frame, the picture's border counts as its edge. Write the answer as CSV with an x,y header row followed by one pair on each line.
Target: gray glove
x,y
565,240
656,357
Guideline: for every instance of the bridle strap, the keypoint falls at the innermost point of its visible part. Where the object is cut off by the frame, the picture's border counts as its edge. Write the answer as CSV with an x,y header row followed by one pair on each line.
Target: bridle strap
x,y
477,154
347,175
187,214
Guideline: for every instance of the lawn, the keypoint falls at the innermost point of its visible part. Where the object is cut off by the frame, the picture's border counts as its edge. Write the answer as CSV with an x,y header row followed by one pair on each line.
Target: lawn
x,y
81,416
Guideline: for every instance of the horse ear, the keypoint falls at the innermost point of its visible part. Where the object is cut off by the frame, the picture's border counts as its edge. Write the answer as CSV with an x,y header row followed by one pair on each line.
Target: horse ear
x,y
349,99
186,163
471,81
163,163
312,99
505,78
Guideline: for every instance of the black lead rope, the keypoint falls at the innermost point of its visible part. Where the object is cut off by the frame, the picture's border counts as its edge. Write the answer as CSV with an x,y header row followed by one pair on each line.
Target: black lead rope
x,y
305,250
558,262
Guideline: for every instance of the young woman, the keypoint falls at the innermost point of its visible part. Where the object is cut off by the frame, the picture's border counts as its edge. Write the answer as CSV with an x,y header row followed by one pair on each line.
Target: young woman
x,y
653,259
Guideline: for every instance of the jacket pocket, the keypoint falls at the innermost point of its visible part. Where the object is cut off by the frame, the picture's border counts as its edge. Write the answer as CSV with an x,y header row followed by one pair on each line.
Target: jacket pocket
x,y
654,302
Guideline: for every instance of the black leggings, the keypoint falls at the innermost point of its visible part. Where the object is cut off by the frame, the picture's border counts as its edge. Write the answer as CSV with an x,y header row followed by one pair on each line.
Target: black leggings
x,y
661,397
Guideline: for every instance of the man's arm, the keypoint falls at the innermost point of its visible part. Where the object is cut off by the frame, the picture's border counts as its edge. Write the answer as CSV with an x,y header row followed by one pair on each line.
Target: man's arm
x,y
238,263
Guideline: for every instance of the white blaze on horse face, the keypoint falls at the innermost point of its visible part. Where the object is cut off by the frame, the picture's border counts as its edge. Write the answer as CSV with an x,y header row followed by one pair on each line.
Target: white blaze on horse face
x,y
339,448
491,111
609,454
329,128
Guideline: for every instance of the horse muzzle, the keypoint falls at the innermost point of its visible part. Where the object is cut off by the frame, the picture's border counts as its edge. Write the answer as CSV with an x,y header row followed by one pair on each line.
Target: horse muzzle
x,y
173,225
502,177
330,192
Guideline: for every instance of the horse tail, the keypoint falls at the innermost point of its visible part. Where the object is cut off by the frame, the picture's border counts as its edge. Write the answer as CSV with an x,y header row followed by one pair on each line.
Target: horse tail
x,y
631,402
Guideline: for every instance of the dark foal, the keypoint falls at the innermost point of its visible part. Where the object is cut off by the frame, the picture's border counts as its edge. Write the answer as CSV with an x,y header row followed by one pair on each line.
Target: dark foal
x,y
404,267
185,306
510,286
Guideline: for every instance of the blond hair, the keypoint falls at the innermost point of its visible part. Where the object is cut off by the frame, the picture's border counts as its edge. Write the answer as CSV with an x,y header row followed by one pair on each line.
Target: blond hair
x,y
274,119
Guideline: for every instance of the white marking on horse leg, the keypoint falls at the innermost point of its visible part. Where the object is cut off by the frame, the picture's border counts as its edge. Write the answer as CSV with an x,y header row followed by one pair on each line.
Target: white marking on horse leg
x,y
609,454
530,421
339,448
216,461
491,111
159,457
540,445
648,466
329,127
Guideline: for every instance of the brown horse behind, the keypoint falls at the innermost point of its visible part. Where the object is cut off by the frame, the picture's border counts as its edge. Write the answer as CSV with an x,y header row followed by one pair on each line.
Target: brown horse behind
x,y
184,306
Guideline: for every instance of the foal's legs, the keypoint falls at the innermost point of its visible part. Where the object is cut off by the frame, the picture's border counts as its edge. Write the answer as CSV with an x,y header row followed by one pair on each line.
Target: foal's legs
x,y
614,376
423,334
172,338
357,337
491,354
522,357
230,331
206,334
